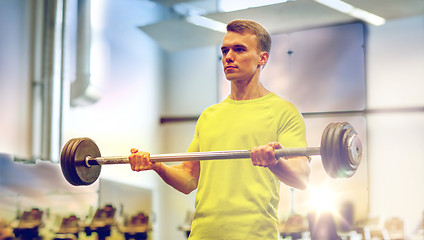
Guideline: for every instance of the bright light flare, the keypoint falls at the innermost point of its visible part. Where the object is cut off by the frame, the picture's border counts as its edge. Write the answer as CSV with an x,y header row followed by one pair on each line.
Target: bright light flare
x,y
323,200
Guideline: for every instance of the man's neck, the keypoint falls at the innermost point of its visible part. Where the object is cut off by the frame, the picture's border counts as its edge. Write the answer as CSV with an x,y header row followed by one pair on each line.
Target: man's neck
x,y
247,90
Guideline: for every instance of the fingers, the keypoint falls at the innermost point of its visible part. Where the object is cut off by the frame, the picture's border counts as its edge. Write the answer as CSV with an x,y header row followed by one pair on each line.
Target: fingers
x,y
140,161
263,156
275,145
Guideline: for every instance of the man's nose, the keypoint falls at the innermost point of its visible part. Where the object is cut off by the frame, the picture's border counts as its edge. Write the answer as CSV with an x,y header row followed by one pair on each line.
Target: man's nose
x,y
229,57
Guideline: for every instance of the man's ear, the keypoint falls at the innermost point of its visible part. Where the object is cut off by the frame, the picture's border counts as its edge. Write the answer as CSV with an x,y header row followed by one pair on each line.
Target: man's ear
x,y
263,58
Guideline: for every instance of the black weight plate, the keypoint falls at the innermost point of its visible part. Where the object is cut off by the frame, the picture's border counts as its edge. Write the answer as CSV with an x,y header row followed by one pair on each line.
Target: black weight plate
x,y
352,150
323,149
348,167
86,147
345,167
336,163
341,150
349,158
72,167
64,160
326,149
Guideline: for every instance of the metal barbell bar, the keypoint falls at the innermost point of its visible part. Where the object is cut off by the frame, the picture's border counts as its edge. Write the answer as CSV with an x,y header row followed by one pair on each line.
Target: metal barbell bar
x,y
340,150
201,156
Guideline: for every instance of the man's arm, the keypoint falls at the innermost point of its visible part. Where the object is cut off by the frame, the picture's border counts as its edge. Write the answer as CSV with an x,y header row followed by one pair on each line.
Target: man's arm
x,y
183,177
293,171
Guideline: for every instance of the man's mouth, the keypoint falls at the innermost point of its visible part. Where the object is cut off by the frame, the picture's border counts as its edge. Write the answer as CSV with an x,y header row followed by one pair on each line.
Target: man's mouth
x,y
229,67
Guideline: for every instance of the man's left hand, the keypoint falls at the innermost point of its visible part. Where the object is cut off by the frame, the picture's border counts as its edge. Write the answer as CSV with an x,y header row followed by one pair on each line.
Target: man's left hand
x,y
263,156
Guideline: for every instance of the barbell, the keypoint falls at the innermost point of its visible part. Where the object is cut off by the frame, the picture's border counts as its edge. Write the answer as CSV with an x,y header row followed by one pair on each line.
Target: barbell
x,y
341,152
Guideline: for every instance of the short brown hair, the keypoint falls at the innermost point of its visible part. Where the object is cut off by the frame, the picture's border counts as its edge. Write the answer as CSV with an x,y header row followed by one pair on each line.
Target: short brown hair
x,y
241,26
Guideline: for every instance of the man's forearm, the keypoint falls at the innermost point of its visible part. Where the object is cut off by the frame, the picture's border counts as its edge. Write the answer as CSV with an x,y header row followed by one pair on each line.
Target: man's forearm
x,y
178,176
293,171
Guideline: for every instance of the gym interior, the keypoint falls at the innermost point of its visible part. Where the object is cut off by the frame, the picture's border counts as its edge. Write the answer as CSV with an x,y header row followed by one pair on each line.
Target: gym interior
x,y
138,73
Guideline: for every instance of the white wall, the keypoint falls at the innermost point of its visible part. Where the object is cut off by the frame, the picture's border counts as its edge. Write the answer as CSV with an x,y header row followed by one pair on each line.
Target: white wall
x,y
191,81
15,90
395,72
395,140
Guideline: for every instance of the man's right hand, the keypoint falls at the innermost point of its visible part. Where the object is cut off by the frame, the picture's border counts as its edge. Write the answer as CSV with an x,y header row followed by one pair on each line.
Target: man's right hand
x,y
140,161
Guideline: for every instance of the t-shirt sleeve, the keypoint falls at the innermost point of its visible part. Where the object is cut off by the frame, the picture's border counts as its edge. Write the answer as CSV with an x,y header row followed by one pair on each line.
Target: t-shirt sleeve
x,y
292,131
194,145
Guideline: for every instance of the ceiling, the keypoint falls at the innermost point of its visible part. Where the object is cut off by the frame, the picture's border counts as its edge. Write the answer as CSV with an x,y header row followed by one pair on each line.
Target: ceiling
x,y
176,33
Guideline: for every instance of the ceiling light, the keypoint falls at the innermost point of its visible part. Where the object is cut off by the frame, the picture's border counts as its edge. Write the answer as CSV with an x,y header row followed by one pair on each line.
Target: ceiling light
x,y
338,5
207,23
236,5
368,17
353,11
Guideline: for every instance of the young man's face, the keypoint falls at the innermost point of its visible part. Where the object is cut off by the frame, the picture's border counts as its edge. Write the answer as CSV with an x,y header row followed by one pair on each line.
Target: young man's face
x,y
240,56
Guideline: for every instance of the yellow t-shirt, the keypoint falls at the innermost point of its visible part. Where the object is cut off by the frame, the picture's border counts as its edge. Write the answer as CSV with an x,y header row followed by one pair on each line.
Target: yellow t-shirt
x,y
236,200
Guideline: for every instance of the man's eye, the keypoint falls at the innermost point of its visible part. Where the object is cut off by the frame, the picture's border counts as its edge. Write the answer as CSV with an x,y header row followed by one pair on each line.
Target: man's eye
x,y
225,51
239,49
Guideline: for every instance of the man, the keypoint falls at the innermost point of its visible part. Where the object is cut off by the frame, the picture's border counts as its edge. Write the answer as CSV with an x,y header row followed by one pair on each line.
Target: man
x,y
238,199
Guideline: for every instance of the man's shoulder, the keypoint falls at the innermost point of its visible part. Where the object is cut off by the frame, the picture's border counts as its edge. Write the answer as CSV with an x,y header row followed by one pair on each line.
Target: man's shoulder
x,y
280,102
211,110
